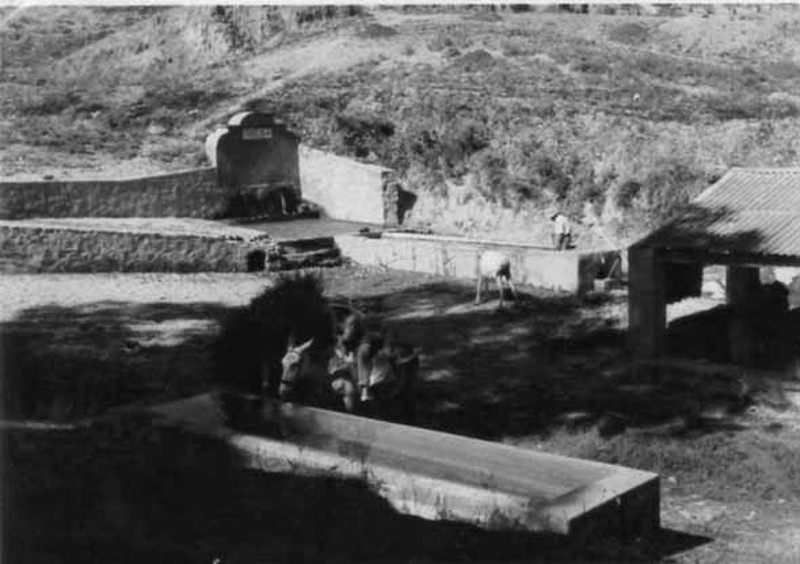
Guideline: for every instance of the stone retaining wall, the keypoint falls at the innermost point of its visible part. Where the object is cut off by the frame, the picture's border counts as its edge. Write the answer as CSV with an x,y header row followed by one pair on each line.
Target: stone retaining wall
x,y
32,249
192,193
567,271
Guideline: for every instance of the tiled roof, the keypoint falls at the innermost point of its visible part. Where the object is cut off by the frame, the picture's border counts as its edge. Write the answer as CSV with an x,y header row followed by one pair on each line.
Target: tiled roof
x,y
753,211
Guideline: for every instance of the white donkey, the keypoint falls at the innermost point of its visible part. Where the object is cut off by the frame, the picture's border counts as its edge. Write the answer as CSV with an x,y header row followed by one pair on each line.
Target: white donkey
x,y
494,264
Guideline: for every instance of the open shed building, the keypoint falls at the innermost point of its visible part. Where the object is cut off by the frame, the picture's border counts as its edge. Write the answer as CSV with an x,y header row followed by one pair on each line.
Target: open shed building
x,y
745,222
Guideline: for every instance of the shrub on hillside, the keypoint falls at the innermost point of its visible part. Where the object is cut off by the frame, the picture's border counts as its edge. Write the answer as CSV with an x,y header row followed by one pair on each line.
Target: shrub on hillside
x,y
785,69
627,194
742,107
362,132
520,8
549,175
50,103
377,31
593,63
453,37
664,192
497,185
668,10
463,140
484,15
478,60
312,14
629,34
514,47
606,9
583,187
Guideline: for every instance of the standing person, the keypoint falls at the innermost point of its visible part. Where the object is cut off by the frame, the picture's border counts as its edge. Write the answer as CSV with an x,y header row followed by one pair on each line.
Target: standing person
x,y
562,230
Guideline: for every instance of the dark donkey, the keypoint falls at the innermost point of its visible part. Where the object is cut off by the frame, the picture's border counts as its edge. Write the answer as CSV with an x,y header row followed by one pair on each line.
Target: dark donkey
x,y
291,343
252,345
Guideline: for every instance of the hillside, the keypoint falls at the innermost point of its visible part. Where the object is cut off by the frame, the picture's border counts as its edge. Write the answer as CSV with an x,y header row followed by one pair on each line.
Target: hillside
x,y
489,116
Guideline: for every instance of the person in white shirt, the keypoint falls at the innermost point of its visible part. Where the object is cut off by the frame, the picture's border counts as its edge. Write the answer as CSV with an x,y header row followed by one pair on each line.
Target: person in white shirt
x,y
562,230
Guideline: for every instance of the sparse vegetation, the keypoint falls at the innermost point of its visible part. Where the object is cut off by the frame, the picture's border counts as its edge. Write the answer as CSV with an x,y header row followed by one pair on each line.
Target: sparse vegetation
x,y
523,108
630,33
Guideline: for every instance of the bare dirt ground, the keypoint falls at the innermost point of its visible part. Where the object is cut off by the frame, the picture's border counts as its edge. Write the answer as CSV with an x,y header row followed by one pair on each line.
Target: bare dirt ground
x,y
545,374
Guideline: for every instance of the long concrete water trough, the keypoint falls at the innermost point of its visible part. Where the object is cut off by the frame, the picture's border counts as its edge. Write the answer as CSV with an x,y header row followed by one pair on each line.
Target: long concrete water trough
x,y
439,476
572,271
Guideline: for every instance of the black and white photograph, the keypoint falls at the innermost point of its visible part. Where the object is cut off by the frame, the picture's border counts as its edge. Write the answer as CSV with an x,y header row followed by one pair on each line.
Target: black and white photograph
x,y
399,282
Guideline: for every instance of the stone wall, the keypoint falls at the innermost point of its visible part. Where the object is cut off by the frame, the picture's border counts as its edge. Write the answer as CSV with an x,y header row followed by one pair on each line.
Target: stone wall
x,y
49,249
346,189
568,271
192,193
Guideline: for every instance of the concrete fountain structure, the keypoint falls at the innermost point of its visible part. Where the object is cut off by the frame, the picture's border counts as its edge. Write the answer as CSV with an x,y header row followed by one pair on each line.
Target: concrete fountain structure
x,y
438,476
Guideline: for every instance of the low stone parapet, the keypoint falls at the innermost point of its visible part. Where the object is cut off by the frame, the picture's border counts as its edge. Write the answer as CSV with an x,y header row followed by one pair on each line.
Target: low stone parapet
x,y
457,257
129,245
190,193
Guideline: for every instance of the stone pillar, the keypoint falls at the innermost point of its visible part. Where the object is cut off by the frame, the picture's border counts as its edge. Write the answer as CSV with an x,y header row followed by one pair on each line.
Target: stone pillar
x,y
647,311
741,284
741,288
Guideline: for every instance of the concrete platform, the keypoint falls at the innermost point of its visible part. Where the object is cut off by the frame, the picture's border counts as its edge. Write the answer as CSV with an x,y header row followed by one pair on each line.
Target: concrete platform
x,y
440,476
298,229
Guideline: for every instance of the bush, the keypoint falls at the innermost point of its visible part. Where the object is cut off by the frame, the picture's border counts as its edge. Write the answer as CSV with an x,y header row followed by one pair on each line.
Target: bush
x,y
627,193
451,38
736,107
51,103
592,63
512,48
629,34
361,133
663,193
520,8
463,140
550,176
377,31
785,69
478,60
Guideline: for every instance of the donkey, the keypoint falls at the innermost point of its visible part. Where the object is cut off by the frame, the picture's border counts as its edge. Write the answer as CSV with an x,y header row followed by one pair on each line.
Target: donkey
x,y
250,349
497,265
366,371
393,374
338,372
306,378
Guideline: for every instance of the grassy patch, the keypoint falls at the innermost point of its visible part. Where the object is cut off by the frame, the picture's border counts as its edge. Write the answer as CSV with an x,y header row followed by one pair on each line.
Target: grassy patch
x,y
731,467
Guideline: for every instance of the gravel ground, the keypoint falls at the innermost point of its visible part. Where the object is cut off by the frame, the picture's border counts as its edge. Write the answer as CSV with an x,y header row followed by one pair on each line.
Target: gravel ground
x,y
23,291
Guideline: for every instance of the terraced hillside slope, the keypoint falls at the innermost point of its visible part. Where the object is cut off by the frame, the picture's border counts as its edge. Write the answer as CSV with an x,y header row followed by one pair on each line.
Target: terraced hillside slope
x,y
618,116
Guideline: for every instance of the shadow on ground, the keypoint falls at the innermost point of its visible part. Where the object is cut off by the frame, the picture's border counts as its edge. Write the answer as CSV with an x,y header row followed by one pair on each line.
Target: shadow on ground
x,y
65,363
543,363
133,490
